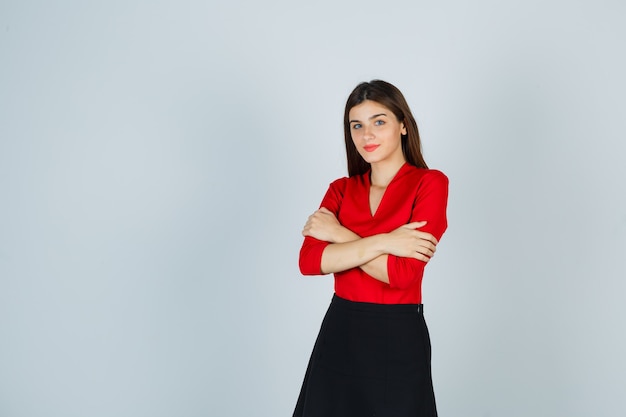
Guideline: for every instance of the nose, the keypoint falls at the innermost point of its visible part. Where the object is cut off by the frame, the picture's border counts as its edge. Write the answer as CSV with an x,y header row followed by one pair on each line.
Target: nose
x,y
368,134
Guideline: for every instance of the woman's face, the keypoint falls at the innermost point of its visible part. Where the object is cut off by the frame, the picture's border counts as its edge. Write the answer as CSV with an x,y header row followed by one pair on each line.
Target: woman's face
x,y
376,132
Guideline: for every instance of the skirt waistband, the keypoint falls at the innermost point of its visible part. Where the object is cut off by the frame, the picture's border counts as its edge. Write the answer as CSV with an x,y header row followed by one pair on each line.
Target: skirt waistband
x,y
375,307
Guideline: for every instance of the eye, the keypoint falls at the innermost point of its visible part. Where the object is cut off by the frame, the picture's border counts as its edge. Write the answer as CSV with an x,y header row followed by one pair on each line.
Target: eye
x,y
356,126
379,122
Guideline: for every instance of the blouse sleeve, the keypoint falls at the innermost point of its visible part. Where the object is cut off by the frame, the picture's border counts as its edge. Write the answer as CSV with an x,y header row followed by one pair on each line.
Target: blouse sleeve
x,y
310,261
430,205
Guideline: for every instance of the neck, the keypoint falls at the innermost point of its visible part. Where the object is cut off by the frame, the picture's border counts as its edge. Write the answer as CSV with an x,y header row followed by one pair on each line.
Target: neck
x,y
384,171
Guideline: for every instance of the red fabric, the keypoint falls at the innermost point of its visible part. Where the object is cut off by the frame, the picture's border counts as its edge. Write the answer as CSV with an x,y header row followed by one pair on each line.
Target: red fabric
x,y
414,194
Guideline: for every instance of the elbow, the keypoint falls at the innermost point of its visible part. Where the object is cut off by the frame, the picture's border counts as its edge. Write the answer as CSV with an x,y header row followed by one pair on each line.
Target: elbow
x,y
404,273
402,284
307,269
405,283
310,260
309,263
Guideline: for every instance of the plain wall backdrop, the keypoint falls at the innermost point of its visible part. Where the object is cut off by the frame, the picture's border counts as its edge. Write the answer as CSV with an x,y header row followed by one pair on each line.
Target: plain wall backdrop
x,y
158,160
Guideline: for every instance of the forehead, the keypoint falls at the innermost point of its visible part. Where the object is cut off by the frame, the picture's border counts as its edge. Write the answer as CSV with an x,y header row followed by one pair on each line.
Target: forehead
x,y
368,108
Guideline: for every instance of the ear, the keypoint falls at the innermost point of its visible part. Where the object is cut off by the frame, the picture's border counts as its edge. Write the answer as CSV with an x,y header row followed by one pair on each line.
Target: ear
x,y
403,131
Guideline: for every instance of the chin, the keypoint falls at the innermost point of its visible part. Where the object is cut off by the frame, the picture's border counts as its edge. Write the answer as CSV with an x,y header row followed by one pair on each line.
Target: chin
x,y
371,160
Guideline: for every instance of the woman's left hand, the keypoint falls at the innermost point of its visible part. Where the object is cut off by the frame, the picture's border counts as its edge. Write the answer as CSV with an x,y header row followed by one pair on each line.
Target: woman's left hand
x,y
323,225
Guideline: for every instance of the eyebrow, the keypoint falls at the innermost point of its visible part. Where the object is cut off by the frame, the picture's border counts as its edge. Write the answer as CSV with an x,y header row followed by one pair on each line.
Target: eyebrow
x,y
370,118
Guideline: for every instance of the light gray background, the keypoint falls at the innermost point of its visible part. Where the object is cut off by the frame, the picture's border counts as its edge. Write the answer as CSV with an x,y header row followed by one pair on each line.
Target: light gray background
x,y
158,160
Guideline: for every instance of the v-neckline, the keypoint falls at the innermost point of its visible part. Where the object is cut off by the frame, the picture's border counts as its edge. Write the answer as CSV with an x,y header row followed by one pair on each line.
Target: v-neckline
x,y
382,198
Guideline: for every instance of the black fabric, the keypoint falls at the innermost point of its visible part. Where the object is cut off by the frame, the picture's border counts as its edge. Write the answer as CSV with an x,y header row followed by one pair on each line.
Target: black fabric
x,y
369,360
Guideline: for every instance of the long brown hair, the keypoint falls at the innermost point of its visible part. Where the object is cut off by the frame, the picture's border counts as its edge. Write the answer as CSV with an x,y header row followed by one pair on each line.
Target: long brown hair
x,y
389,96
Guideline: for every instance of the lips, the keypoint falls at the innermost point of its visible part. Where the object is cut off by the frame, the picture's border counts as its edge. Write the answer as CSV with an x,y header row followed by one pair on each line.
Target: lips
x,y
370,148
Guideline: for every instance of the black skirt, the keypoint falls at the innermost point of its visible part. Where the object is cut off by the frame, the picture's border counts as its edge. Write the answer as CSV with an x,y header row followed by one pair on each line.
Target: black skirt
x,y
369,360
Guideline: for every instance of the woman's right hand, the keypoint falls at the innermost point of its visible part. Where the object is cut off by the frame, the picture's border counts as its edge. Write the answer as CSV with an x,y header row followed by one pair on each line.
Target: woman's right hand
x,y
408,242
323,225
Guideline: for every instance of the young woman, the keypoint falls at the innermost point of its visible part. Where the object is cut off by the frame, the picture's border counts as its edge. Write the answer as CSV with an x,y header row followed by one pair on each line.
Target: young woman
x,y
375,231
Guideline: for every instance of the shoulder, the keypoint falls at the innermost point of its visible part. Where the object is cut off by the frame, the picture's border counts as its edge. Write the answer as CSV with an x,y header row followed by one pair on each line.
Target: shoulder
x,y
338,185
340,182
337,190
426,176
346,182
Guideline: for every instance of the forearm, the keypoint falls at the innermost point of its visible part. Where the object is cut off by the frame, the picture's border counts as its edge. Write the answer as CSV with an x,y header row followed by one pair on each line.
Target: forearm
x,y
347,250
338,257
377,267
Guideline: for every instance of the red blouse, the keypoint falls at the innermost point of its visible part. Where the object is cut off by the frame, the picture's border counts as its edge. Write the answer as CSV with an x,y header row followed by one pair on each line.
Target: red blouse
x,y
414,194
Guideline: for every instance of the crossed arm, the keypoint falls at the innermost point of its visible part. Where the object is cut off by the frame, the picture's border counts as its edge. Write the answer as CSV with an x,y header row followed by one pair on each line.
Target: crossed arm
x,y
348,250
